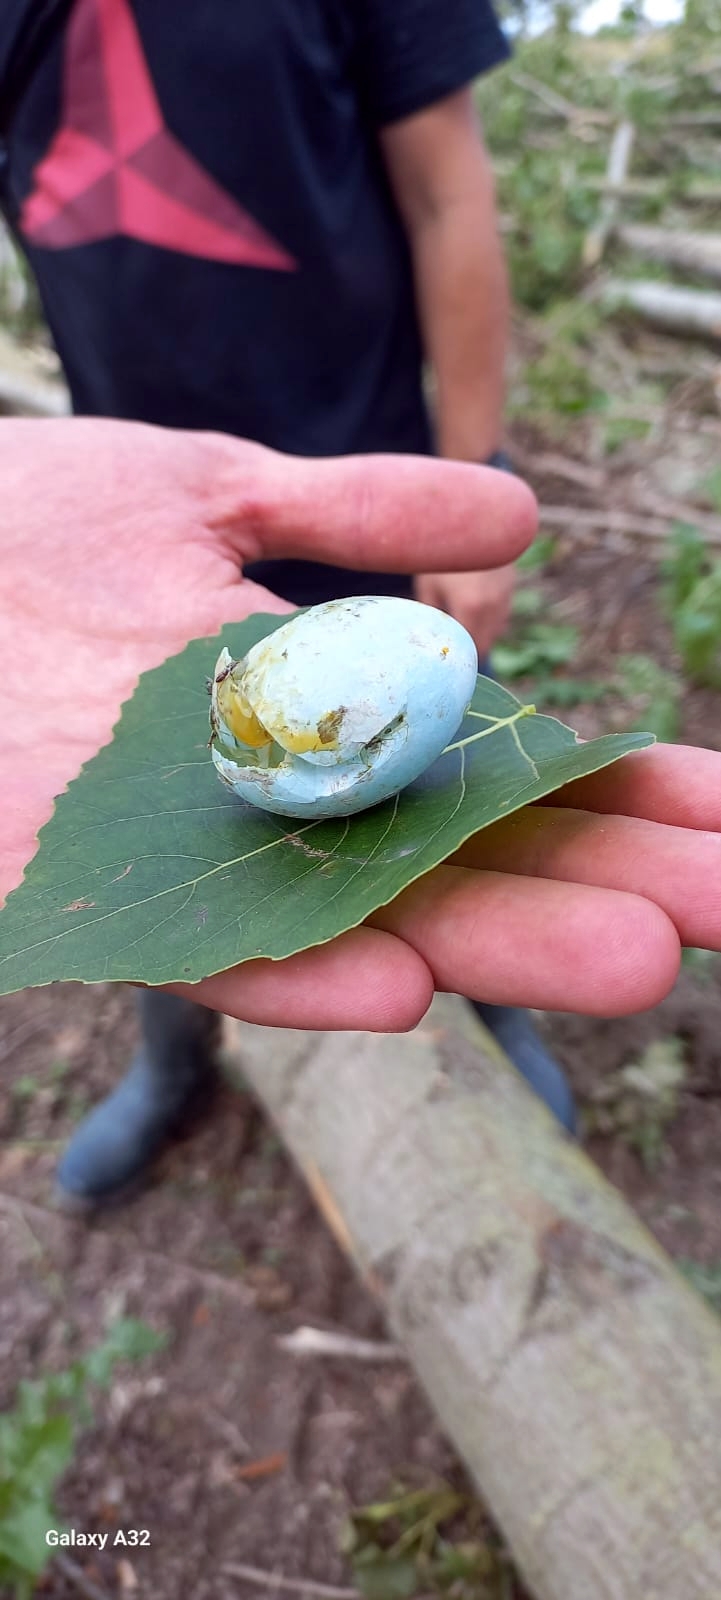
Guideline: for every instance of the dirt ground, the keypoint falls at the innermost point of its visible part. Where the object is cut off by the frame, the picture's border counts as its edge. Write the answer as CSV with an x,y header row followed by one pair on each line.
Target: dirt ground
x,y
225,1447
228,1449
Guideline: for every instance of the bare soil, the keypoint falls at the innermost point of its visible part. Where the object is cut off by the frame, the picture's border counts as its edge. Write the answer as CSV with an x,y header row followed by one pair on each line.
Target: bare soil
x,y
225,1447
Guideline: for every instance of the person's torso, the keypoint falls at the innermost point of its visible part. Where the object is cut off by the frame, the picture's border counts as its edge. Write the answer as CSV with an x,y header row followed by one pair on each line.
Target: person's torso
x,y
203,204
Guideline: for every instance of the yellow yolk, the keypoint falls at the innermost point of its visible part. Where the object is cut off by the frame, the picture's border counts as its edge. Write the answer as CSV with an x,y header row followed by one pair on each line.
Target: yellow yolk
x,y
239,716
245,725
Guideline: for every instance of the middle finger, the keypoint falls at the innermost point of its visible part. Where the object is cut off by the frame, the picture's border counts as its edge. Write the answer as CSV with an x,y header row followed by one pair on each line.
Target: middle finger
x,y
677,868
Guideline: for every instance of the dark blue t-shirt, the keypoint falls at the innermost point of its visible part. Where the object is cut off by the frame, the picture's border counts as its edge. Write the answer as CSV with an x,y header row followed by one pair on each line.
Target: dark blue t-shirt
x,y
200,193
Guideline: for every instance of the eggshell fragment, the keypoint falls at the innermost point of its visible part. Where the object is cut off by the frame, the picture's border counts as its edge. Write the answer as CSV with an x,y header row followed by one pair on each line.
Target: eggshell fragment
x,y
341,707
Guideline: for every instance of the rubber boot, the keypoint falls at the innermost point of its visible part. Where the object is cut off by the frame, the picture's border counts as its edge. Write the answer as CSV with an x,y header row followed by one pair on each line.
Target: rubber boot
x,y
516,1033
169,1078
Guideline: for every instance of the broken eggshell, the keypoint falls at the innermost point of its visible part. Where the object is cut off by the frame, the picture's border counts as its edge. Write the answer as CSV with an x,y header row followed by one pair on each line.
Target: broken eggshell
x,y
342,706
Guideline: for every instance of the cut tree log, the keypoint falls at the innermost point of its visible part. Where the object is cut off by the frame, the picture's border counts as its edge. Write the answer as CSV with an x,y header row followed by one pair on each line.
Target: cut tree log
x,y
695,313
693,252
575,1371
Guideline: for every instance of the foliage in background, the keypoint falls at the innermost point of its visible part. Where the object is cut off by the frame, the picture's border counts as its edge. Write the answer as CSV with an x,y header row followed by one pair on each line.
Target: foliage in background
x,y
538,645
20,310
559,381
705,1280
37,1444
541,650
654,692
641,1100
425,1542
549,117
693,602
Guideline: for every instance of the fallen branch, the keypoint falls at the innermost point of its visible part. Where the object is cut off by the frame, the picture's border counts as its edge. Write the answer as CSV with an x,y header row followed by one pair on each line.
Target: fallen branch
x,y
693,312
575,1371
704,69
693,252
674,80
264,1467
633,524
703,154
695,119
275,1580
602,183
27,398
24,389
665,416
684,511
78,1578
619,157
557,103
698,191
558,466
320,1342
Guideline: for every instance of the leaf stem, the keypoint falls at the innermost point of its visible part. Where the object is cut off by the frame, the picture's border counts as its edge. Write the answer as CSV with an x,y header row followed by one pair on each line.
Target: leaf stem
x,y
501,722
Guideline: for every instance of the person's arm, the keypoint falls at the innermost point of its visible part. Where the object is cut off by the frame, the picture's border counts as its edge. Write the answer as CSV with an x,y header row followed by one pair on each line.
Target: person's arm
x,y
443,186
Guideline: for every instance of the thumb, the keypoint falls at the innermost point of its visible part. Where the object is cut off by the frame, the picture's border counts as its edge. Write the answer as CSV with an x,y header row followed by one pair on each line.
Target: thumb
x,y
390,513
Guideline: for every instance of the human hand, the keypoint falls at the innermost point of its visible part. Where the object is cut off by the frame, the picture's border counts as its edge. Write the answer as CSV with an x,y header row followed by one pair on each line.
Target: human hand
x,y
120,542
481,601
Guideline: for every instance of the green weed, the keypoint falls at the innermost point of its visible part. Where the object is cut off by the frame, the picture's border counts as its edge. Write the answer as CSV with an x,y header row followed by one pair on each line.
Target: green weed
x,y
398,1548
536,648
37,1444
705,1280
692,593
25,1088
641,1100
540,554
703,964
657,692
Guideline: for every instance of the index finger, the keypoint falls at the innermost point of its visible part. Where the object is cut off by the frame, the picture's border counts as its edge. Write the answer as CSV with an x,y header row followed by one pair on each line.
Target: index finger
x,y
676,783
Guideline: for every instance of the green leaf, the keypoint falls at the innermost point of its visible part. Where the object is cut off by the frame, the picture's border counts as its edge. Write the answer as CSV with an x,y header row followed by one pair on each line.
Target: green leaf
x,y
151,871
538,554
467,1560
34,1448
706,1280
542,645
641,678
23,1551
384,1579
566,692
683,565
47,1448
712,486
127,1340
697,629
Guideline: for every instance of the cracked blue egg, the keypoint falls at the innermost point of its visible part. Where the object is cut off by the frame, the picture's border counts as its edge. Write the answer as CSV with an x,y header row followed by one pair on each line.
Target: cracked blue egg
x,y
342,706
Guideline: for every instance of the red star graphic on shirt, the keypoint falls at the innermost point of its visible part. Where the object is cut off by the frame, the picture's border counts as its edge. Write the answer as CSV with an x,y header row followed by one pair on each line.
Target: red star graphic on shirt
x,y
113,167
